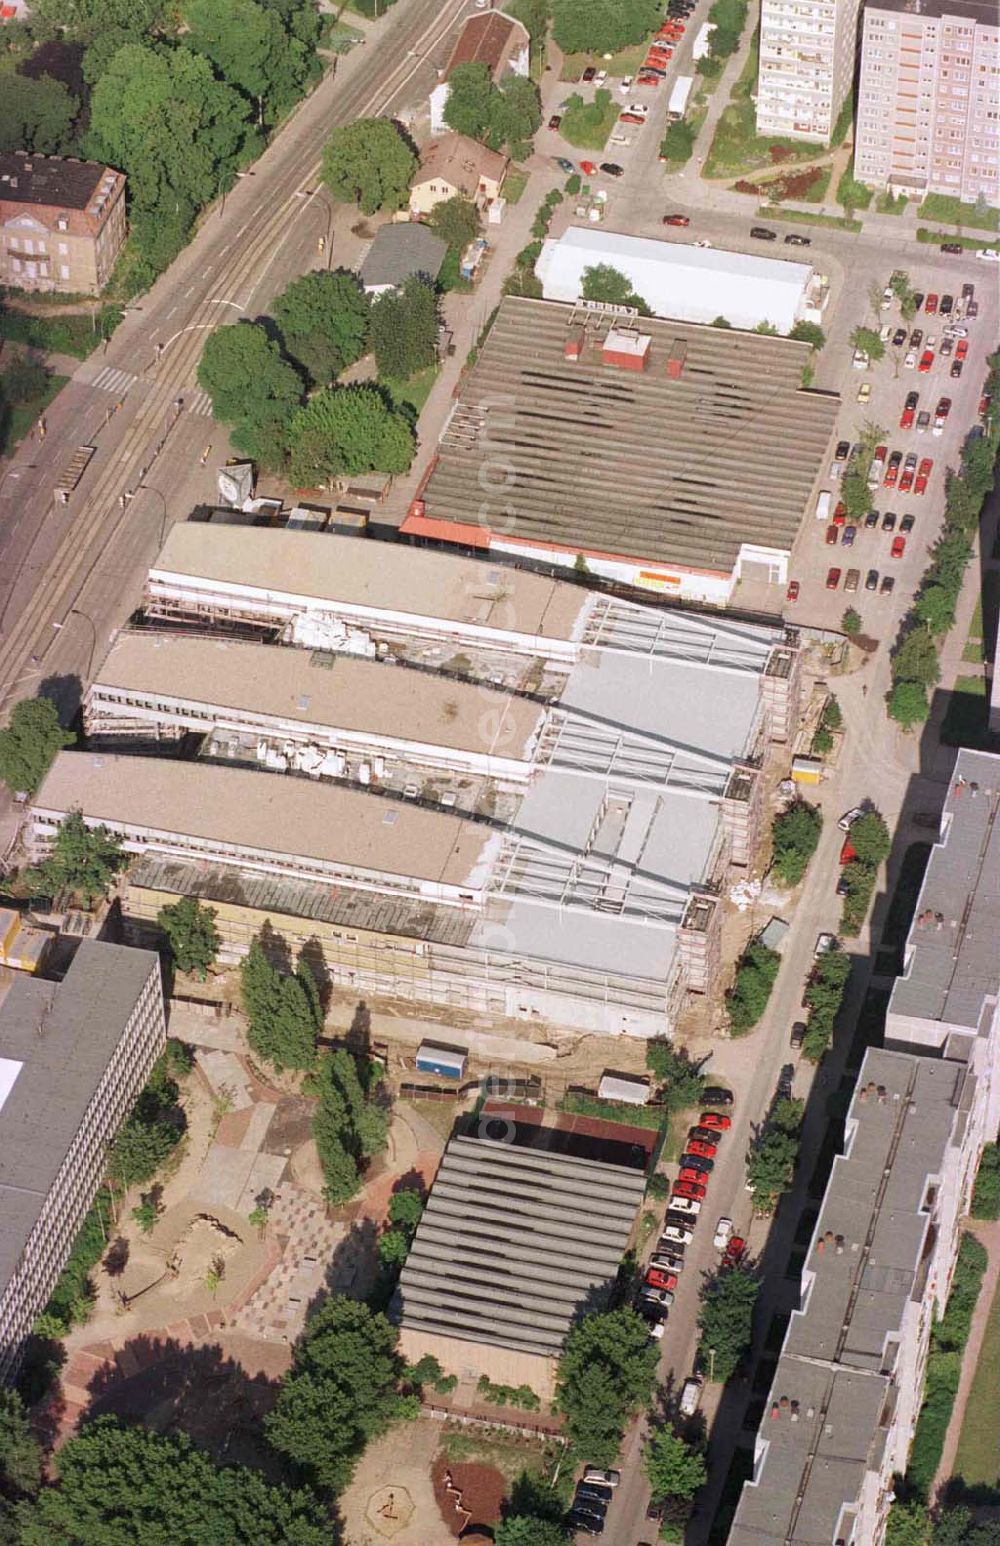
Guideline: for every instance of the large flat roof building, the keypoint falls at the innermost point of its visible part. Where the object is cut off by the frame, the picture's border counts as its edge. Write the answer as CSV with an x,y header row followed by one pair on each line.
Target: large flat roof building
x,y
514,1244
532,797
73,1056
849,1383
669,457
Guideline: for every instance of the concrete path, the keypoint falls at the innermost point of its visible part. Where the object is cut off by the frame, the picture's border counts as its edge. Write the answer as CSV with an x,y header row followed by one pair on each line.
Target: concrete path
x,y
989,1235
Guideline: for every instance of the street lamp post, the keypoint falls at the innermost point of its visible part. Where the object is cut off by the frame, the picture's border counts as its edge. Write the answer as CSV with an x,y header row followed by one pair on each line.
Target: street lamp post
x,y
77,612
711,1365
326,240
147,488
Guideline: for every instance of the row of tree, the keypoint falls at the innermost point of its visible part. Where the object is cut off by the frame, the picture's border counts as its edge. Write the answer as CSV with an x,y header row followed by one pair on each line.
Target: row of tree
x,y
869,838
773,1155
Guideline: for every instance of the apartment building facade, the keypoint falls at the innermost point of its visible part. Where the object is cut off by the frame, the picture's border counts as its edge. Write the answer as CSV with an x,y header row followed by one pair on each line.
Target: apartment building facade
x,y
849,1383
929,99
62,223
808,50
73,1056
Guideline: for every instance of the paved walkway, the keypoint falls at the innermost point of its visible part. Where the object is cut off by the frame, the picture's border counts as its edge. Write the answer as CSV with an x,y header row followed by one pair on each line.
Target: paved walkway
x,y
989,1235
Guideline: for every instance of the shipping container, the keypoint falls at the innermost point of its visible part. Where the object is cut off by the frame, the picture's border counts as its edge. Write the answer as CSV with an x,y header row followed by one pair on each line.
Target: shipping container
x,y
807,770
621,1087
449,1062
823,505
677,106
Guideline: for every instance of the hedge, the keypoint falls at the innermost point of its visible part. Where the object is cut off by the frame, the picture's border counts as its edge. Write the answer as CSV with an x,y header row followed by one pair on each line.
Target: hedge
x,y
986,1197
944,1365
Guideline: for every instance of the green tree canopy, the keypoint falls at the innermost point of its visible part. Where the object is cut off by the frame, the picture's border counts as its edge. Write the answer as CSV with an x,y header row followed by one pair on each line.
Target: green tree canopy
x,y
497,115
85,20
119,1484
796,834
851,623
725,1321
250,48
341,1391
252,388
771,1165
916,659
602,282
672,1067
935,606
191,933
909,1524
82,860
283,1010
908,704
324,321
602,26
404,329
755,977
20,1451
369,163
406,1209
675,1468
153,1127
349,430
36,114
870,839
350,1125
529,1530
456,221
808,333
606,1372
29,743
823,997
869,342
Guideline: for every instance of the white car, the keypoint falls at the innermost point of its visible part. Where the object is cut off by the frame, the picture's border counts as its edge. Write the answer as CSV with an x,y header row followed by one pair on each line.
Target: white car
x,y
848,819
860,360
703,244
667,1263
824,944
691,1395
723,1234
593,1473
676,1234
625,84
886,331
953,331
637,107
621,139
689,1205
989,254
600,78
911,359
888,296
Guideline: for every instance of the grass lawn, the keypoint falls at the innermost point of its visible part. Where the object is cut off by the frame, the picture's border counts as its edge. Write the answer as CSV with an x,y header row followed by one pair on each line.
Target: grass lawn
x,y
737,148
626,62
439,1114
817,193
972,653
976,626
975,686
840,222
515,183
978,1459
509,1453
939,206
971,243
588,124
414,391
887,204
16,422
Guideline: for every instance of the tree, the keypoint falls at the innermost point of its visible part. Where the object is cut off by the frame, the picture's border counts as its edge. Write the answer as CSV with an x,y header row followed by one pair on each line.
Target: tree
x,y
505,114
755,977
909,1524
823,997
529,1530
607,1372
369,163
250,48
350,430
604,283
149,1133
808,333
851,623
675,1468
456,221
721,321
673,1068
191,933
36,115
406,1209
29,744
324,322
20,1452
795,833
870,839
252,388
404,330
916,659
393,1248
771,1165
122,1483
147,1212
82,860
935,606
87,19
516,115
767,328
833,716
602,26
283,1012
467,110
869,342
908,704
341,1391
725,1321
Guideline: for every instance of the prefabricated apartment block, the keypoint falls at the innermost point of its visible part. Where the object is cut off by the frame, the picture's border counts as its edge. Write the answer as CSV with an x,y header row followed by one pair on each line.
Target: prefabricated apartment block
x,y
517,796
848,1386
73,1056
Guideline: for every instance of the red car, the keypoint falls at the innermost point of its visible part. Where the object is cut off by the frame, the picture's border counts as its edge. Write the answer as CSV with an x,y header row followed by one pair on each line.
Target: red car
x,y
735,1251
909,410
589,168
647,80
555,120
716,1120
892,470
626,118
909,470
926,359
701,1148
832,579
691,1190
840,513
898,547
792,593
831,536
655,1278
931,305
923,475
961,348
687,1174
682,220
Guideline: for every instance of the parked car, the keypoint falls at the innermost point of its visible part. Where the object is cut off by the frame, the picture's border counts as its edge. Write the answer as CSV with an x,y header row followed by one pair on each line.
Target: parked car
x,y
931,304
593,1495
681,220
907,523
852,581
923,420
956,369
793,239
589,73
701,1148
955,248
832,579
584,1524
887,586
684,1207
923,475
661,1296
947,305
630,117
723,1233
735,1251
889,521
760,233
910,360
926,361
871,520
555,120
667,1262
593,1473
918,300
961,349
864,391
677,1234
848,535
916,338
564,165
715,1095
843,451
707,1135
898,547
797,1035
888,296
716,1120
947,344
909,410
840,513
892,469
859,360
871,580
941,413
697,1162
691,1191
689,1174
612,169
899,338
691,1395
655,1278
792,593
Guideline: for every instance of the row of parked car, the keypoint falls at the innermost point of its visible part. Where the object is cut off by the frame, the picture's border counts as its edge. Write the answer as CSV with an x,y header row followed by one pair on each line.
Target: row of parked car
x,y
594,1493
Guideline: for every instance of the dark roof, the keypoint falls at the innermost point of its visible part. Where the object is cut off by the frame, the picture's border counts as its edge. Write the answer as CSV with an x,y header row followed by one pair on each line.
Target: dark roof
x,y
514,1243
59,182
608,460
402,249
489,38
63,1036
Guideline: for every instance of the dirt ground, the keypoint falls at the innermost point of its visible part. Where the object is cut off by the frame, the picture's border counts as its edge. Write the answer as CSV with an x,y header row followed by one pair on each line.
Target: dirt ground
x,y
482,1490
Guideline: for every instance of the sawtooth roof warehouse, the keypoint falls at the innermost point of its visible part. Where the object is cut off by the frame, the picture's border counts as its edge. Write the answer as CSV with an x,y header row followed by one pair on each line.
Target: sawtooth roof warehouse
x,y
669,456
529,833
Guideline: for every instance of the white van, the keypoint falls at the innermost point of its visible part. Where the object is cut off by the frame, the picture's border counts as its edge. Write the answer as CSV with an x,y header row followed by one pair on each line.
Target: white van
x,y
691,1395
823,502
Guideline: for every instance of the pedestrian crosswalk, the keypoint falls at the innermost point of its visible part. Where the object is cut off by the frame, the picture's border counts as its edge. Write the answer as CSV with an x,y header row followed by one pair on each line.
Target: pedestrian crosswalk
x,y
199,403
109,379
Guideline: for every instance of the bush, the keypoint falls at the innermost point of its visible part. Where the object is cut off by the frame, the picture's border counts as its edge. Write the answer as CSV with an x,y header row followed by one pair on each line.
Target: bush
x,y
672,1068
986,1197
823,997
944,1366
508,1395
73,1295
795,834
658,1187
755,977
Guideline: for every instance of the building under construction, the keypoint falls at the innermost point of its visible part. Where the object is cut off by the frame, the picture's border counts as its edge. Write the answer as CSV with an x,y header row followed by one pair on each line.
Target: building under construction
x,y
501,793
